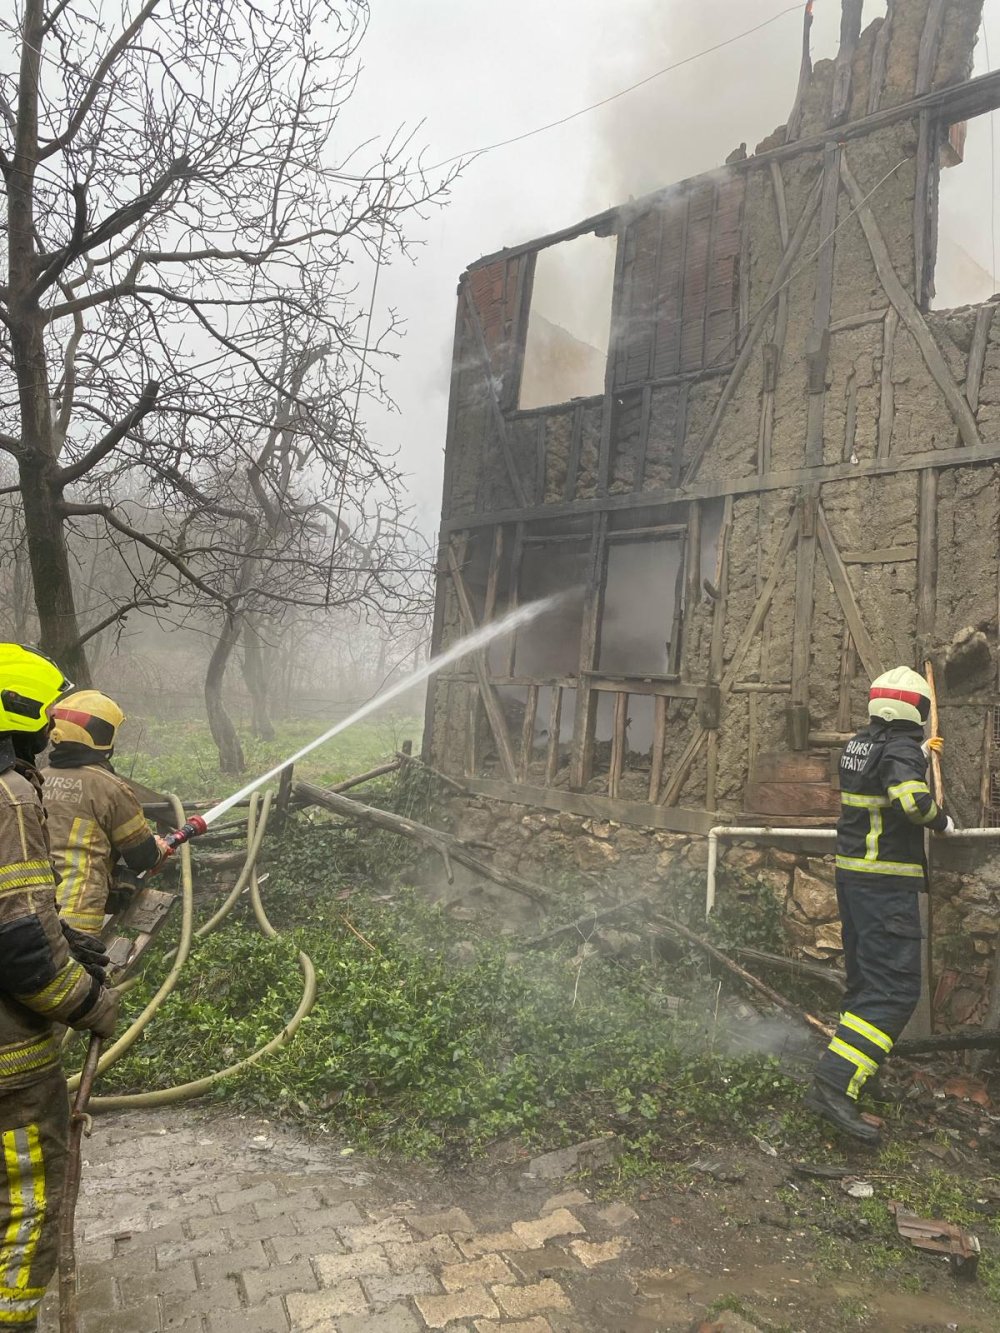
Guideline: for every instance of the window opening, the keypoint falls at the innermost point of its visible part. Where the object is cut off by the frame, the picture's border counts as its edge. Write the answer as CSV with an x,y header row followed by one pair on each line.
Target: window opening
x,y
550,646
967,235
640,621
569,322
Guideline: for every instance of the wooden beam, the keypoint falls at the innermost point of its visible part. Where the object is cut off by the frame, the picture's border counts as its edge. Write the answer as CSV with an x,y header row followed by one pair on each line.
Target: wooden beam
x,y
794,126
736,486
847,661
528,731
514,592
682,772
887,400
774,351
930,44
555,725
494,712
910,315
692,552
927,162
669,819
644,424
472,713
850,32
590,640
880,63
499,422
657,753
851,418
863,642
541,430
522,311
805,597
756,331
619,728
927,555
818,345
977,355
859,321
493,576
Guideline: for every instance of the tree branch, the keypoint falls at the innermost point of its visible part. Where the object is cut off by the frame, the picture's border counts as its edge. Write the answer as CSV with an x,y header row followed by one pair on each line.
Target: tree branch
x,y
121,614
101,73
113,438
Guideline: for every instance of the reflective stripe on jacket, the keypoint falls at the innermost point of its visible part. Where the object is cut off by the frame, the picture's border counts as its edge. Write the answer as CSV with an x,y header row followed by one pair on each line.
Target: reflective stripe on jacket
x,y
885,806
39,982
93,818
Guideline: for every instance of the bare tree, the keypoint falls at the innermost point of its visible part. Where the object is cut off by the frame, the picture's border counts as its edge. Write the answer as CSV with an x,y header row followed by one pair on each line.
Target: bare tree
x,y
171,191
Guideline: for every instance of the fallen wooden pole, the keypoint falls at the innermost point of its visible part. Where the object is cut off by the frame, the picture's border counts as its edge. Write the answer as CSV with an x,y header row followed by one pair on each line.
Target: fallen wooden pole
x,y
974,1039
411,761
579,926
798,967
810,1019
370,776
447,846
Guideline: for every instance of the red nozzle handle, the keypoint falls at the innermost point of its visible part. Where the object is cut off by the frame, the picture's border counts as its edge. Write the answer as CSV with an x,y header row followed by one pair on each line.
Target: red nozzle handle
x,y
194,828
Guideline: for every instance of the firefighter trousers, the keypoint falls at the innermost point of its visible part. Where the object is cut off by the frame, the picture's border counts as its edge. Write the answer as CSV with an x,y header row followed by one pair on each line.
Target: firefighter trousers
x,y
34,1131
882,957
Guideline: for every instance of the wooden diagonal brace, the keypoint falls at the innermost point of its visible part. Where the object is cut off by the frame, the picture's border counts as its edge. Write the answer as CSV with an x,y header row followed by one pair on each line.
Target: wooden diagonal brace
x,y
863,641
490,702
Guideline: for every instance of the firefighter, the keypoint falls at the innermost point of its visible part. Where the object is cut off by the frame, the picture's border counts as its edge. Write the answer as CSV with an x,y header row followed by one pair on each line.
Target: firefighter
x,y
886,805
48,974
94,817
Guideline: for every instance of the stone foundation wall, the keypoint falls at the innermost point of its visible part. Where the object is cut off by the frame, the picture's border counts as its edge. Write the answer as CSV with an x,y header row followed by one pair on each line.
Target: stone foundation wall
x,y
590,860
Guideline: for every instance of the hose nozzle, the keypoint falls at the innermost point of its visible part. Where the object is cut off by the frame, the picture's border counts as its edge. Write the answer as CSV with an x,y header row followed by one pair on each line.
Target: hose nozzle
x,y
194,828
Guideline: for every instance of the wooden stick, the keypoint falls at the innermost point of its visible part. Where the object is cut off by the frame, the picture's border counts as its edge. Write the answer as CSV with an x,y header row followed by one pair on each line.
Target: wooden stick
x,y
447,846
69,1312
830,976
972,1039
578,926
822,1028
938,788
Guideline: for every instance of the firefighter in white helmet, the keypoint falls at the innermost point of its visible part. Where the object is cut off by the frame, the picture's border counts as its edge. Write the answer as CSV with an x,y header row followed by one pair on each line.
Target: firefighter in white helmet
x,y
886,805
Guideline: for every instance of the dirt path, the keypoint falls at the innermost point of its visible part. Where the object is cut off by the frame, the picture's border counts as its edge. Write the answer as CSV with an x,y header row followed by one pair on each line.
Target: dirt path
x,y
207,1222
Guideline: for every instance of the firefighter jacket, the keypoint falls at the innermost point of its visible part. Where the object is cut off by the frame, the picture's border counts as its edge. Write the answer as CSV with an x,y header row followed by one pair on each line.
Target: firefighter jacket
x,y
40,983
94,818
885,806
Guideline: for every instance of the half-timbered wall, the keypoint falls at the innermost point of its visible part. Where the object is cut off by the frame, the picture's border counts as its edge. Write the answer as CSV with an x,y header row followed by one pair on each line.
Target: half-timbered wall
x,y
790,482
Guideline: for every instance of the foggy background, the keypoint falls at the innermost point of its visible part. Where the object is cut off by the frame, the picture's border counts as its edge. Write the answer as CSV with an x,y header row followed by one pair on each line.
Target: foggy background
x,y
483,72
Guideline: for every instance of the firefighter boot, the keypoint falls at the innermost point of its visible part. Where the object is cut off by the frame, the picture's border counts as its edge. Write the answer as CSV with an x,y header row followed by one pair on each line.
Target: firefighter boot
x,y
823,1099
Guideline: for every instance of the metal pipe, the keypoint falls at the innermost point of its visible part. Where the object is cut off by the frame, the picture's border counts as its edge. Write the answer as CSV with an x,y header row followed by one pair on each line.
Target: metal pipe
x,y
730,831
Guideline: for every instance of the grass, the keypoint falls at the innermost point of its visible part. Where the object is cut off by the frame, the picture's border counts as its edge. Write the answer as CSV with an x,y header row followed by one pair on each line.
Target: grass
x,y
180,755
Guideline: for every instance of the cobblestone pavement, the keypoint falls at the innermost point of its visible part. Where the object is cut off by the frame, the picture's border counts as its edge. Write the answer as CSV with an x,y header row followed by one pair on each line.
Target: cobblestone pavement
x,y
205,1224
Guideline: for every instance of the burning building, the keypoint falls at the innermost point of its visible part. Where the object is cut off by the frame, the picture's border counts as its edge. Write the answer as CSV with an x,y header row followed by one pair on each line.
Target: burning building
x,y
761,467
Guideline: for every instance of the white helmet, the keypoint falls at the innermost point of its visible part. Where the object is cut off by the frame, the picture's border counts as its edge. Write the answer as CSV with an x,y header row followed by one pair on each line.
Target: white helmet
x,y
900,695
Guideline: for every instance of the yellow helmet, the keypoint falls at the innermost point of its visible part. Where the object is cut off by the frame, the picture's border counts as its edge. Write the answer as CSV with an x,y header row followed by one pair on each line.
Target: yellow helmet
x,y
87,718
900,695
30,683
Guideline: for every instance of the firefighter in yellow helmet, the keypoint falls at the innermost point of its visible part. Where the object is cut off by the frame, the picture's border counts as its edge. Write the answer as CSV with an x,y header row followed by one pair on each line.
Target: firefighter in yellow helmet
x,y
94,817
48,975
886,805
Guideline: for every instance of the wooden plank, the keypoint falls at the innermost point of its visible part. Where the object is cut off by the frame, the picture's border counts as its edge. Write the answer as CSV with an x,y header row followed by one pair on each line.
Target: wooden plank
x,y
735,486
848,658
575,447
653,532
805,597
590,637
619,728
528,731
472,761
659,743
887,399
889,555
692,550
514,591
927,555
669,819
644,424
555,725
977,355
910,315
712,771
850,32
851,418
818,345
860,321
666,686
499,423
490,701
760,322
680,434
493,576
863,642
782,766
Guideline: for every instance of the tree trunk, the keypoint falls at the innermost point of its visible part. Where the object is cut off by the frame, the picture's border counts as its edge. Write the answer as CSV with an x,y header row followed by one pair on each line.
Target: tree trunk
x,y
37,453
256,675
224,734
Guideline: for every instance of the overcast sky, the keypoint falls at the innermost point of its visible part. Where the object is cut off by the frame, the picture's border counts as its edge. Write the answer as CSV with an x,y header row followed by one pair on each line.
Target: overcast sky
x,y
477,71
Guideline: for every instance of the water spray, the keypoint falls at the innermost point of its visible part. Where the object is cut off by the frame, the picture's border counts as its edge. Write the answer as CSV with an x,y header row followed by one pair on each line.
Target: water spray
x,y
472,643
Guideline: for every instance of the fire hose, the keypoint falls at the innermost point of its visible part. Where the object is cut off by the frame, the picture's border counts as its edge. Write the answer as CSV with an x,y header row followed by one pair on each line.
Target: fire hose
x,y
247,879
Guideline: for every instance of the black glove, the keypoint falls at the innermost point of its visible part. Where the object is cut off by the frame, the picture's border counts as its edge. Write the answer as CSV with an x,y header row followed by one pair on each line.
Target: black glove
x,y
88,950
